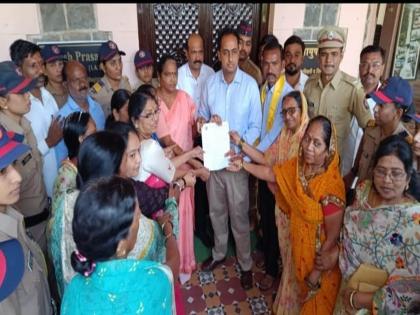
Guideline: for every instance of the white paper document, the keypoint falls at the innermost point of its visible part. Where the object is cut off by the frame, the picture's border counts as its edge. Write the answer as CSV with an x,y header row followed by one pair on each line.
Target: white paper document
x,y
215,145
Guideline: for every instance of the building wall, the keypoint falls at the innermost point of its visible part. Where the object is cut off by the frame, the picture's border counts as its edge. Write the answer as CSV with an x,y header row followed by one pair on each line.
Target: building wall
x,y
119,22
60,23
289,19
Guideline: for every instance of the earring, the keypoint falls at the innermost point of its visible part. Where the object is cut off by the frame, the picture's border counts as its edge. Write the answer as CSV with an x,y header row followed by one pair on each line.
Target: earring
x,y
136,126
5,107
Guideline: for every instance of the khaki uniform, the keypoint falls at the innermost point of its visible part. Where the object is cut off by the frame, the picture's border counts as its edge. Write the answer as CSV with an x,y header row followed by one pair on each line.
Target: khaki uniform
x,y
60,99
33,197
155,84
102,92
341,99
253,70
32,296
370,143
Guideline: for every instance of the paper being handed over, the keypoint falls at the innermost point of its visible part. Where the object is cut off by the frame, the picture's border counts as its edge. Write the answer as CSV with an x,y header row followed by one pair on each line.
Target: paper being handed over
x,y
216,144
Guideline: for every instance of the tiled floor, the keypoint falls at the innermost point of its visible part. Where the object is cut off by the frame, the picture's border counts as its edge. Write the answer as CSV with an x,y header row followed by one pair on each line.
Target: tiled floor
x,y
220,292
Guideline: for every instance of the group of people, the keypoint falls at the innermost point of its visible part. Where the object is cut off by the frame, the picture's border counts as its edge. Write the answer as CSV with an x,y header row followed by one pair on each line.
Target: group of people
x,y
98,195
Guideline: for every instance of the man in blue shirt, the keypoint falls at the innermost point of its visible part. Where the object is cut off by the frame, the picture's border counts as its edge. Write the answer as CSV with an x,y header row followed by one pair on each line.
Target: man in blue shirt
x,y
231,95
78,100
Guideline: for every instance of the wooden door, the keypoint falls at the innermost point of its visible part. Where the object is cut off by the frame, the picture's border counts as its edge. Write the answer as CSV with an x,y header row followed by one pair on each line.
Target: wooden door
x,y
164,27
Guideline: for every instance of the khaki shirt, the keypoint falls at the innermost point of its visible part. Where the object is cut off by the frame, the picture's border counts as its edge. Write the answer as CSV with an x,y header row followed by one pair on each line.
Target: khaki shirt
x,y
155,84
370,143
32,296
252,69
60,99
33,197
102,92
341,99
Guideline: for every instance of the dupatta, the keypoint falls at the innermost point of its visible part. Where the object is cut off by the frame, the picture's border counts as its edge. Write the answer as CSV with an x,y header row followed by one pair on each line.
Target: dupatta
x,y
301,200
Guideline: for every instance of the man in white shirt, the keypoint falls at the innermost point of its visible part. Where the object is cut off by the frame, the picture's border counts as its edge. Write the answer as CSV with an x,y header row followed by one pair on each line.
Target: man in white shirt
x,y
42,115
193,74
294,49
191,78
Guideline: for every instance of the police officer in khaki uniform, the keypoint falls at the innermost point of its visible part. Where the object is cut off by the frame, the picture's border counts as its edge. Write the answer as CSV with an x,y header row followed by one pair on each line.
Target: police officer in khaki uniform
x,y
111,65
23,285
245,46
394,104
143,61
33,202
333,93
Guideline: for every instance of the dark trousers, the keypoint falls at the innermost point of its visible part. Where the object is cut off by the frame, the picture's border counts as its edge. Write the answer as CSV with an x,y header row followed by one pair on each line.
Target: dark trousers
x,y
203,228
270,241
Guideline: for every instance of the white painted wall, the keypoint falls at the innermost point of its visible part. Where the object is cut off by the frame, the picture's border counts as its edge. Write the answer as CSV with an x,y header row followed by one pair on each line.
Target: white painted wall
x,y
16,21
352,16
121,20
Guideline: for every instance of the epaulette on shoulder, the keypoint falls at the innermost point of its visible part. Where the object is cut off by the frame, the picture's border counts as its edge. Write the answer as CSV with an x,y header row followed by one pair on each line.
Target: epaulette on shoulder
x,y
409,138
371,123
97,87
352,80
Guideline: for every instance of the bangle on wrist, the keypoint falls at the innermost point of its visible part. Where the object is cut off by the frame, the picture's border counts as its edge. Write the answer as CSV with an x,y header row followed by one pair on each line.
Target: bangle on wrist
x,y
164,223
351,299
184,183
241,143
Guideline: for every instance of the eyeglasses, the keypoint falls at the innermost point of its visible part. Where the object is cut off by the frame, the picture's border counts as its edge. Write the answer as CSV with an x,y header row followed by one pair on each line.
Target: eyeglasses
x,y
394,175
151,114
374,65
291,111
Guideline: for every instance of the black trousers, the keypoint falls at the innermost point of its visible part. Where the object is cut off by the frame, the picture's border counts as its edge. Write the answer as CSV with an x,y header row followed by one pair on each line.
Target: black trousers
x,y
270,241
202,223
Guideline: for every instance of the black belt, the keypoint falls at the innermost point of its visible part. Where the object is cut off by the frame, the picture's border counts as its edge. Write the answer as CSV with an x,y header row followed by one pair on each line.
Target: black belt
x,y
37,218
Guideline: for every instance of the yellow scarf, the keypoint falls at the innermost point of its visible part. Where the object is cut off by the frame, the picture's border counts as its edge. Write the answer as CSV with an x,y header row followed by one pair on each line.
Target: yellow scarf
x,y
278,88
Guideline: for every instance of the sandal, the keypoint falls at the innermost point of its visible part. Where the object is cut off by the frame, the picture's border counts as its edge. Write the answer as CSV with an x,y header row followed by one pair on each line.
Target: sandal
x,y
266,283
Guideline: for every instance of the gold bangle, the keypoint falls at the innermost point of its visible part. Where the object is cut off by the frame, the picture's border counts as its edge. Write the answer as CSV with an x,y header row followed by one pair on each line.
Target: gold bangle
x,y
351,299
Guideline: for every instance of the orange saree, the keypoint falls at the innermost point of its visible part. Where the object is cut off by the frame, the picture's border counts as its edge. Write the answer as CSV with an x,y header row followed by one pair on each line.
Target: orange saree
x,y
302,200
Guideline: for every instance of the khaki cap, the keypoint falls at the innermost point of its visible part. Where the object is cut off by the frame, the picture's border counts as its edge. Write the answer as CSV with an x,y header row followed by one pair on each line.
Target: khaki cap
x,y
331,37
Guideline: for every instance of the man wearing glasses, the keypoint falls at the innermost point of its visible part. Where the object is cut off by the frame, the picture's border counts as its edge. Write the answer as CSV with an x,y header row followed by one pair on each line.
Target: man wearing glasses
x,y
371,68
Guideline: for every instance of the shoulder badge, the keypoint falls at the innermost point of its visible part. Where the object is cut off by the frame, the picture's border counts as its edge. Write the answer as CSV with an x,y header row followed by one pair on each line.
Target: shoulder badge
x,y
371,123
97,87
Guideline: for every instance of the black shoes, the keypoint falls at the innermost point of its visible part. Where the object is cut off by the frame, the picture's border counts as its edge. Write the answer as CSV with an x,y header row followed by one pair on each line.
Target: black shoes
x,y
209,264
246,280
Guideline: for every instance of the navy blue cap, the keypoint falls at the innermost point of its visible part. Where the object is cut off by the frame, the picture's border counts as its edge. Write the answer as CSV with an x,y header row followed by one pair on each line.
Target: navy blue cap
x,y
394,90
12,267
143,58
108,50
12,81
11,147
52,53
245,28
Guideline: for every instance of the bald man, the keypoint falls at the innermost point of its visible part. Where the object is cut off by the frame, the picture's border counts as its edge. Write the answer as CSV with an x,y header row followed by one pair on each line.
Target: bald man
x,y
193,74
191,78
78,101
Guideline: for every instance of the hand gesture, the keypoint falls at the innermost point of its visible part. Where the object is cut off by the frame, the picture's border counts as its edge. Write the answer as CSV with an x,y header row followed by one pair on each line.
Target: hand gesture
x,y
169,151
197,152
189,179
200,122
55,132
203,173
235,137
216,119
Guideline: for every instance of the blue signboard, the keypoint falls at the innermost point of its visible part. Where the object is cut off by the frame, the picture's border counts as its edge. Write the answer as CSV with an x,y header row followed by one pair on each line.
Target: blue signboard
x,y
85,52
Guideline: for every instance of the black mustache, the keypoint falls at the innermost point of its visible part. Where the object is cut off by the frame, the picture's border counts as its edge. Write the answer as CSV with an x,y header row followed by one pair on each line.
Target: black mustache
x,y
83,88
198,61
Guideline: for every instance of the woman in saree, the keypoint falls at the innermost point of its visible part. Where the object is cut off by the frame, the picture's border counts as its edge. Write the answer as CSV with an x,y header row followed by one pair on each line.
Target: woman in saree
x,y
381,230
285,147
311,194
105,226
